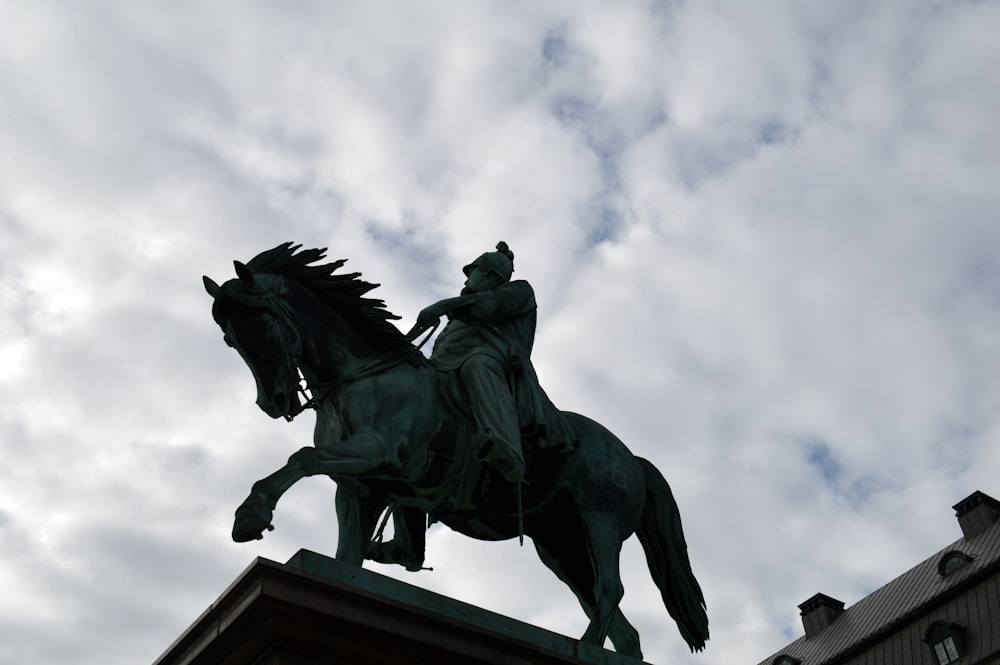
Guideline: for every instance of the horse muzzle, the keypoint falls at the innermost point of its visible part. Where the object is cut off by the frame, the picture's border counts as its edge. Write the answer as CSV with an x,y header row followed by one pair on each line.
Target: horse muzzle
x,y
280,404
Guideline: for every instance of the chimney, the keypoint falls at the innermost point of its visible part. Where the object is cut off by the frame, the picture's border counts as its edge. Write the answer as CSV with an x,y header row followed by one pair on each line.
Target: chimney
x,y
976,513
819,612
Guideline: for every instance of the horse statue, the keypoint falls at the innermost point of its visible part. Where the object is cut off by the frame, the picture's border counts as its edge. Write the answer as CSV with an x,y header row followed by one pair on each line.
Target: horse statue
x,y
391,431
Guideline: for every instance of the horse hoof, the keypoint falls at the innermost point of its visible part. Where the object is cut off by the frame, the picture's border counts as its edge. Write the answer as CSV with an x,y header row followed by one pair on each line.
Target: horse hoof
x,y
245,532
251,521
591,636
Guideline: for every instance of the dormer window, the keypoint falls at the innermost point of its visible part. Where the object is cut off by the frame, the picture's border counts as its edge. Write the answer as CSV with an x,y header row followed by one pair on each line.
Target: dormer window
x,y
786,660
946,641
952,561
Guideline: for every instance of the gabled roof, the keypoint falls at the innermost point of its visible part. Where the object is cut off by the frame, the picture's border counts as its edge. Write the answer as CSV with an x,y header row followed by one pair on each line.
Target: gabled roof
x,y
911,594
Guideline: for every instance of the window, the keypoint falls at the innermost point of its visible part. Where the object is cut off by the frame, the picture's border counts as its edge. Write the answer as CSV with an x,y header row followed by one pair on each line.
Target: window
x,y
946,641
952,561
946,651
787,660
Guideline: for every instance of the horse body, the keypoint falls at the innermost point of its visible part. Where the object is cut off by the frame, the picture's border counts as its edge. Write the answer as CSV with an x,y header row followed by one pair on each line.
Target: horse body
x,y
387,431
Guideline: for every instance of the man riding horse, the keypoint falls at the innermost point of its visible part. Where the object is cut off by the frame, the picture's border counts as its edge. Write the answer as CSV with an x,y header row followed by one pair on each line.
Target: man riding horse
x,y
391,429
488,342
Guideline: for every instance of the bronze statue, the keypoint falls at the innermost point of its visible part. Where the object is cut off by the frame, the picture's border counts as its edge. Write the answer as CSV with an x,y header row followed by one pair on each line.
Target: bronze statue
x,y
488,341
394,430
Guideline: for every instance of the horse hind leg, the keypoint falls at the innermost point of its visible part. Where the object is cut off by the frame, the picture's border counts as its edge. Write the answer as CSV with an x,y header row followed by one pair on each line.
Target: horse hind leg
x,y
564,552
605,549
624,636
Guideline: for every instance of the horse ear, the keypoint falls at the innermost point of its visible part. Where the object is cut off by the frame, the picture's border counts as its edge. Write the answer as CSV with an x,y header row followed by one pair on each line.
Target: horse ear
x,y
210,286
243,272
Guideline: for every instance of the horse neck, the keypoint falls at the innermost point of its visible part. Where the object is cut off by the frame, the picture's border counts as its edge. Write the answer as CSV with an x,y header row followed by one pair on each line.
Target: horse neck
x,y
331,349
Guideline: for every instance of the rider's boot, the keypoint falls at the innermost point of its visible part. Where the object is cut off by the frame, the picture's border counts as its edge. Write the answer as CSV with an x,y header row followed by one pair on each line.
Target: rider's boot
x,y
505,457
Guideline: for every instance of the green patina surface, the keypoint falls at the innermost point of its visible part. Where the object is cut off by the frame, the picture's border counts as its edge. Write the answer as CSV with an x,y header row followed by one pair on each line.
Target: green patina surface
x,y
467,438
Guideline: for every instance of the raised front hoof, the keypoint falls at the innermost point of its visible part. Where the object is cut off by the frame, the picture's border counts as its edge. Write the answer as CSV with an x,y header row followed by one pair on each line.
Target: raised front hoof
x,y
251,522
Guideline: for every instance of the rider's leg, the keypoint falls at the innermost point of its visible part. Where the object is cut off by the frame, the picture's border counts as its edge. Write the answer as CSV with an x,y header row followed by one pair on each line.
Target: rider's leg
x,y
495,412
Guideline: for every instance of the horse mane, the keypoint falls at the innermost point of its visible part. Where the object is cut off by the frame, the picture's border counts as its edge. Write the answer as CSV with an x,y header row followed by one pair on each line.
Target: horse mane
x,y
344,292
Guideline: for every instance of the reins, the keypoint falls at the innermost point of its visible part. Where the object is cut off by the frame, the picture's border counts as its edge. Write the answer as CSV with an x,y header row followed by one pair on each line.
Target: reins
x,y
327,388
414,334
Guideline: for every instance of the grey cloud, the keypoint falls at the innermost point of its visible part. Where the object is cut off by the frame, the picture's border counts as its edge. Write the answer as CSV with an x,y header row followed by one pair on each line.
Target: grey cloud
x,y
761,240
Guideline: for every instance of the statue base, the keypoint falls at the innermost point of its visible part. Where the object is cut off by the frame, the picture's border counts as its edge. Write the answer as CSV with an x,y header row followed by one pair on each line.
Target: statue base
x,y
315,610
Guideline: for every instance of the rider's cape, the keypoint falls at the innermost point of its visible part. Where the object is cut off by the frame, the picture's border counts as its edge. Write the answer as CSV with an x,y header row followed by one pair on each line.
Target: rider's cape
x,y
502,325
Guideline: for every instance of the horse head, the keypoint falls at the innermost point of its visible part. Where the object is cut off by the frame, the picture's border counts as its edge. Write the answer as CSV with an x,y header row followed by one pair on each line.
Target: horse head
x,y
283,302
256,320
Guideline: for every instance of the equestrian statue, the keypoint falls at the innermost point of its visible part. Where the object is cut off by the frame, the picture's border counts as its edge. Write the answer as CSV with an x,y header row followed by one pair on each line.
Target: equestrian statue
x,y
466,437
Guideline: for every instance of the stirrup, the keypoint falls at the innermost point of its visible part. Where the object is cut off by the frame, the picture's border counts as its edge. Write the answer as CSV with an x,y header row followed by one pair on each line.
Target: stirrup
x,y
494,453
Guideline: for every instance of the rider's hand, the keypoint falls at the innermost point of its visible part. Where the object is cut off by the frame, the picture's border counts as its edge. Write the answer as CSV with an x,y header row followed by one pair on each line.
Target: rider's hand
x,y
429,315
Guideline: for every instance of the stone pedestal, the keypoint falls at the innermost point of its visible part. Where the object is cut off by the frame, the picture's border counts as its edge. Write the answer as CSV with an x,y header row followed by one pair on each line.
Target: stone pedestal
x,y
316,611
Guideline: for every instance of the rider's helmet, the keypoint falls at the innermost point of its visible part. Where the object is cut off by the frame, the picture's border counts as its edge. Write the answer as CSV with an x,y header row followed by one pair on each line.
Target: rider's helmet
x,y
501,261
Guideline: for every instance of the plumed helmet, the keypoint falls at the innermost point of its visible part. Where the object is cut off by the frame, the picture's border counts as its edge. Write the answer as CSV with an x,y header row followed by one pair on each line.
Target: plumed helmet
x,y
501,261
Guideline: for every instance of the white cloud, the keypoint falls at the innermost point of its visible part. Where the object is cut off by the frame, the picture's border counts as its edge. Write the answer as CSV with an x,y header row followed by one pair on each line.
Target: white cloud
x,y
763,243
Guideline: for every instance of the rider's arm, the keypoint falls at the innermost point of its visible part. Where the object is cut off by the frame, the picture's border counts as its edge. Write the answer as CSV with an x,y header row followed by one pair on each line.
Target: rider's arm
x,y
503,302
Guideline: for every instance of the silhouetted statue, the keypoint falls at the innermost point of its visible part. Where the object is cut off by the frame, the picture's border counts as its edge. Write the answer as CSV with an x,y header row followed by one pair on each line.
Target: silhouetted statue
x,y
488,341
467,437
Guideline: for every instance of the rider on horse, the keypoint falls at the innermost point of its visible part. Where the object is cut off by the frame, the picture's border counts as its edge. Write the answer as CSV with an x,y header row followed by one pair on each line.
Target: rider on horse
x,y
390,430
488,340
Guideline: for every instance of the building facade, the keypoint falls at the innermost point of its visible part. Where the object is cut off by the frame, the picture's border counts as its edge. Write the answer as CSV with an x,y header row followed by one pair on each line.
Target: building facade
x,y
944,610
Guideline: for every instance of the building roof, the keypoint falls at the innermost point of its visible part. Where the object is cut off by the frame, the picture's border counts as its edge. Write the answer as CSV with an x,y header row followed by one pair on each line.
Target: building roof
x,y
911,594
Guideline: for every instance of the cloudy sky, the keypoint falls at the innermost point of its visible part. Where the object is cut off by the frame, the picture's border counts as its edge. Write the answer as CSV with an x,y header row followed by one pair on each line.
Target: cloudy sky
x,y
764,239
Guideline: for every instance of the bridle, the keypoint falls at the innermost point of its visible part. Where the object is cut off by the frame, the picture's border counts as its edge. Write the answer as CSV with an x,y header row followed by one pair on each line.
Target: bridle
x,y
289,339
292,351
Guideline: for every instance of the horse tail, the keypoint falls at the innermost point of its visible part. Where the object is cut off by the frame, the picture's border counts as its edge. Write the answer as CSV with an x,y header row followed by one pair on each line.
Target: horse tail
x,y
662,539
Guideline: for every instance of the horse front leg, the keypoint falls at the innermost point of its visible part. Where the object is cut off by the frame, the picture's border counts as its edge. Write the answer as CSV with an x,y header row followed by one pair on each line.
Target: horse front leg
x,y
254,515
363,454
357,513
408,542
